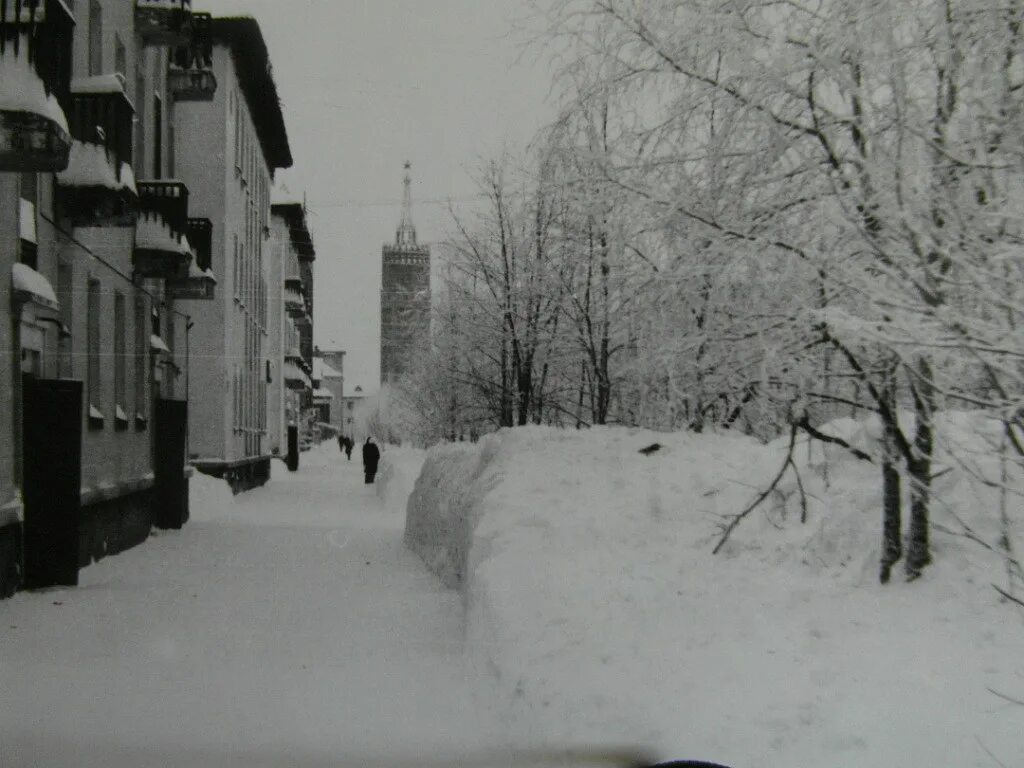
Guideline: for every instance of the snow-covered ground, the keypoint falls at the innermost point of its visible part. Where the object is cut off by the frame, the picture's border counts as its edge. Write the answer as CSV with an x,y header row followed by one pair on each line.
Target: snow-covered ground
x,y
596,611
285,626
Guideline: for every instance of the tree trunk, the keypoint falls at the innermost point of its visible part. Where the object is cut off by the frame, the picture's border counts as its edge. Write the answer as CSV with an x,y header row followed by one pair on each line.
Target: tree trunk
x,y
892,500
920,471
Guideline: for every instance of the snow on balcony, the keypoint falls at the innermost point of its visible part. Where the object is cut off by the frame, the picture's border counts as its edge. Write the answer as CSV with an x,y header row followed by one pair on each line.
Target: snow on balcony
x,y
91,165
34,134
22,90
164,5
152,233
112,83
196,273
31,287
294,377
293,300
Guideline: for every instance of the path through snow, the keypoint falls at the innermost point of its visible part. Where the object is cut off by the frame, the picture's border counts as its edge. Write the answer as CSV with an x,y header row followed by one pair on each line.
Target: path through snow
x,y
287,626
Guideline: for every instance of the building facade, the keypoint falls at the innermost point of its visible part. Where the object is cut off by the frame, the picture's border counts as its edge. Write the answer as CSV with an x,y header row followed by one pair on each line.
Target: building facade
x,y
94,235
236,141
291,391
404,295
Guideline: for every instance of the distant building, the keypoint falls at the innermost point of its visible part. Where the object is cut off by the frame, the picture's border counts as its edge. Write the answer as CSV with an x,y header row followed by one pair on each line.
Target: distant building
x,y
329,369
291,391
404,295
349,406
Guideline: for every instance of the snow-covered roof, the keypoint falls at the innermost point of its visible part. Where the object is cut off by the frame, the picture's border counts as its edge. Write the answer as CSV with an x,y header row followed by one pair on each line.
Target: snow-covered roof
x,y
321,370
22,90
34,286
153,233
89,165
158,345
322,394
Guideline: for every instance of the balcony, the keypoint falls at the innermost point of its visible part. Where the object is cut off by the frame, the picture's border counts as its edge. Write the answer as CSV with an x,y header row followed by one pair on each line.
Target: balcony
x,y
199,283
294,377
162,249
294,302
35,58
163,22
97,188
190,73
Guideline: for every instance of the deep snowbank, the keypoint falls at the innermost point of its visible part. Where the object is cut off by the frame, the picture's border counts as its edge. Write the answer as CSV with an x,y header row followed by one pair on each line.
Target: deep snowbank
x,y
597,612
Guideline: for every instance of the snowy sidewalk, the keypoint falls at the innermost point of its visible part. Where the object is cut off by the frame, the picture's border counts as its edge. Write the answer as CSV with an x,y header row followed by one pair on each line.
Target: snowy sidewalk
x,y
289,621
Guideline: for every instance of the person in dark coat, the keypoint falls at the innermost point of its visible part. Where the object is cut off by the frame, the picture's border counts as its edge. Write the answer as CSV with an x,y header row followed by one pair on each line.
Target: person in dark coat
x,y
349,445
371,456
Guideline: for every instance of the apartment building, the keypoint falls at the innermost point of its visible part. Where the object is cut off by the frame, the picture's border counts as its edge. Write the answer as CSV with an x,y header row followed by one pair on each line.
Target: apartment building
x,y
126,254
231,146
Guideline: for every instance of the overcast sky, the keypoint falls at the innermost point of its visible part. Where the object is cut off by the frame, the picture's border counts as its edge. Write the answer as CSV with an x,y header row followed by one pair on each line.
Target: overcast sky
x,y
366,85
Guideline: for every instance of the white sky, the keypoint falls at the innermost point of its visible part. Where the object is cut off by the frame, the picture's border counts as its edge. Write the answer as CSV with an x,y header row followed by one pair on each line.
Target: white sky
x,y
366,85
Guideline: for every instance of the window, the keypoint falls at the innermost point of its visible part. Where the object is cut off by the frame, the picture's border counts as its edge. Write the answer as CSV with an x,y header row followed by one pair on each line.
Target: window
x,y
27,249
120,363
238,135
141,355
95,38
95,389
120,57
65,295
158,136
140,116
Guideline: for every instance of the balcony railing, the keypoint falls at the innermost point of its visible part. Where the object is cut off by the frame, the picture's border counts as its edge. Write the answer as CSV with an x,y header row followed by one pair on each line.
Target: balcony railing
x,y
190,73
98,186
163,22
167,198
35,58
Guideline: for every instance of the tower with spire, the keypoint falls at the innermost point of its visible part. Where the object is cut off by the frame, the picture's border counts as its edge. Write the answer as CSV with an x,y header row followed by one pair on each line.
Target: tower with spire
x,y
404,294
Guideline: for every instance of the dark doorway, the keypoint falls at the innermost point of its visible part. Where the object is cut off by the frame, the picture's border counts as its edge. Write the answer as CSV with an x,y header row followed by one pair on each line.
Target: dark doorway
x,y
52,475
170,425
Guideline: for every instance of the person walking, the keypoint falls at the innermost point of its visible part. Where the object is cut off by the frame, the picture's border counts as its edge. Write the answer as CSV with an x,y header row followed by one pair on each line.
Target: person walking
x,y
349,444
371,456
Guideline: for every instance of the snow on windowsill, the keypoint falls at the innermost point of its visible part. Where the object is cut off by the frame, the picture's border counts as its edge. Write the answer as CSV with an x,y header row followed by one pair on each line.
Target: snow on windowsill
x,y
22,90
